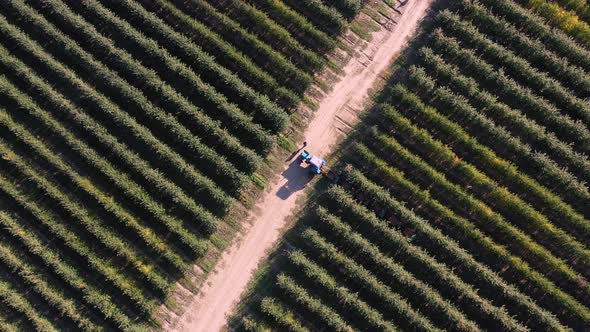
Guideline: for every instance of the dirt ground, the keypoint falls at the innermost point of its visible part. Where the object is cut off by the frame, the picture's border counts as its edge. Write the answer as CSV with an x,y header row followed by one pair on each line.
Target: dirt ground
x,y
337,112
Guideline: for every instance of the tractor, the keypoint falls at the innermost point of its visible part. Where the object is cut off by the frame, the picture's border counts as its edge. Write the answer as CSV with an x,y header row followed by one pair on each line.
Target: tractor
x,y
315,163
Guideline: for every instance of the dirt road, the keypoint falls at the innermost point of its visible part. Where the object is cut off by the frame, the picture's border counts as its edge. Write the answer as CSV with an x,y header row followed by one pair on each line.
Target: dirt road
x,y
338,110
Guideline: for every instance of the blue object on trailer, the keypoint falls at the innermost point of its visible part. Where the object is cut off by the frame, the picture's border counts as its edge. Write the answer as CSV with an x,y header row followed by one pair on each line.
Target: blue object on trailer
x,y
305,156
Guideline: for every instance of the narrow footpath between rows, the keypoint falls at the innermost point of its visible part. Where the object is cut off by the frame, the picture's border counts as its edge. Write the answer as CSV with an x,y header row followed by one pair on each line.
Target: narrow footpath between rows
x,y
338,109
